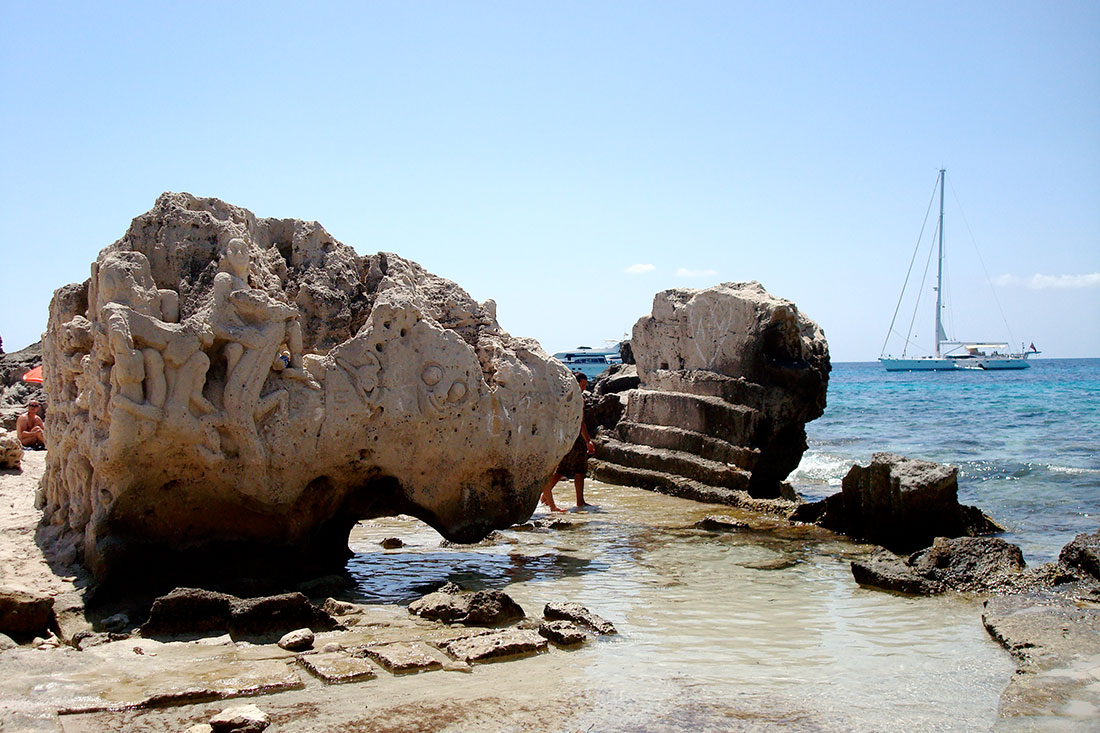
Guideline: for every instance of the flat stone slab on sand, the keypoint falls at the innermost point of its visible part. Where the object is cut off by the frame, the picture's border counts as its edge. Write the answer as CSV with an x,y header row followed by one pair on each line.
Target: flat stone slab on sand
x,y
337,667
401,657
495,646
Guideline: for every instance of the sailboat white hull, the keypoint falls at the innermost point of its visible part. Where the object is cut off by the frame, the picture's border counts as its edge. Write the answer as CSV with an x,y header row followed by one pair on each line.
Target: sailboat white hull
x,y
919,364
941,364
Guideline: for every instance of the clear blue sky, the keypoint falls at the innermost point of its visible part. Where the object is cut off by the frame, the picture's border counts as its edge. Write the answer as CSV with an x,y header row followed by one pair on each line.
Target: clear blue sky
x,y
535,152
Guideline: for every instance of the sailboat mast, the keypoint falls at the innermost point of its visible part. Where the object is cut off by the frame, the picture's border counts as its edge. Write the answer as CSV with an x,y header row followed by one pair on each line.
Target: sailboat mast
x,y
939,274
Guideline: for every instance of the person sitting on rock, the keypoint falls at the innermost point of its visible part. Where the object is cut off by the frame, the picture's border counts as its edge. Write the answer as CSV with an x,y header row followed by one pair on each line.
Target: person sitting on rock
x,y
575,463
30,428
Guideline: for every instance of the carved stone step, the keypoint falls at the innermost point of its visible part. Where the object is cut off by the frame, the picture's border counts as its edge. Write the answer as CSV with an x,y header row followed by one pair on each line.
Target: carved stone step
x,y
674,438
678,463
737,390
685,488
736,424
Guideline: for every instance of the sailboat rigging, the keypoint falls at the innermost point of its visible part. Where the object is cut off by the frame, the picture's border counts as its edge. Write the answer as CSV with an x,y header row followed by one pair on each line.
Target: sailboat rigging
x,y
983,355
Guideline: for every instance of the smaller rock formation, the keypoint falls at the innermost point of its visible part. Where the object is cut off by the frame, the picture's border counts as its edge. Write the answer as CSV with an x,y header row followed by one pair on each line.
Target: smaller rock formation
x,y
1083,554
240,719
963,564
565,633
727,378
297,641
198,612
11,450
24,613
900,503
482,608
494,646
578,614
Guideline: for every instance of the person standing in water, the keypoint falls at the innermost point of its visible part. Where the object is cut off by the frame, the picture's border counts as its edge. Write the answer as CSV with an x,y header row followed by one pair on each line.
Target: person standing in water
x,y
575,463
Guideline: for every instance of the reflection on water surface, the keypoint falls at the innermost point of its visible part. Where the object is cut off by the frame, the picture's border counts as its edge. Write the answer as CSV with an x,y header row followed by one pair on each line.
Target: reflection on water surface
x,y
718,630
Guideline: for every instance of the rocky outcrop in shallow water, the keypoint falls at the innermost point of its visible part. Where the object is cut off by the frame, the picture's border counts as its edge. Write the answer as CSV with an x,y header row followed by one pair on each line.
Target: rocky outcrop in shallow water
x,y
964,564
233,393
728,378
900,503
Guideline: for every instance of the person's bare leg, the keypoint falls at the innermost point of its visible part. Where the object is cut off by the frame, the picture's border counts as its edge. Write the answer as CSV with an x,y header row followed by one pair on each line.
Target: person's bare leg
x,y
578,483
548,493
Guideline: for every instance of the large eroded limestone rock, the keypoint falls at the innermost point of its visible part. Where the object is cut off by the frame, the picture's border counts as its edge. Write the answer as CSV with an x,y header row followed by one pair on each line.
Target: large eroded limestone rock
x,y
729,377
249,388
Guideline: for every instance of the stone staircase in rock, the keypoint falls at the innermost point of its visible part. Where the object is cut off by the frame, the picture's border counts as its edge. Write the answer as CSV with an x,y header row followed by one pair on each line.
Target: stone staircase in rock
x,y
697,444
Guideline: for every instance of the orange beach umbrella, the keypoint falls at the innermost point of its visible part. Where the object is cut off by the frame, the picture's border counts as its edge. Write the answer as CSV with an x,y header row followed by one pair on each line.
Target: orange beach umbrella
x,y
34,375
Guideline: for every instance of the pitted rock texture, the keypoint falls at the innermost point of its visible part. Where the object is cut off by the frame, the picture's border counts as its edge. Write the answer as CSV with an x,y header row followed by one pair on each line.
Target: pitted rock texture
x,y
11,450
729,376
229,388
900,503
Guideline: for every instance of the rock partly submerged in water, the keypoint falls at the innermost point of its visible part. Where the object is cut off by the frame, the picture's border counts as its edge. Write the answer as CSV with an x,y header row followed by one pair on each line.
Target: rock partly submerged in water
x,y
1055,639
963,564
480,608
728,378
234,393
578,614
900,503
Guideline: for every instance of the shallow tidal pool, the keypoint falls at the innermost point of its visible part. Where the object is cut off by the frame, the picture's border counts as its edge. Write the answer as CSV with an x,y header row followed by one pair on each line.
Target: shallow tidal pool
x,y
717,630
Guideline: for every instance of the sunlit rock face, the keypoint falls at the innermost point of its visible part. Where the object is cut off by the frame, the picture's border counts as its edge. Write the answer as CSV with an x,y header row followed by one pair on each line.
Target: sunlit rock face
x,y
729,377
238,388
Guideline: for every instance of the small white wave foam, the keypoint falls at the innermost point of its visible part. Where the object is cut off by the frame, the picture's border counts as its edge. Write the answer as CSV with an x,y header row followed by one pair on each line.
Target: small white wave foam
x,y
821,467
1074,471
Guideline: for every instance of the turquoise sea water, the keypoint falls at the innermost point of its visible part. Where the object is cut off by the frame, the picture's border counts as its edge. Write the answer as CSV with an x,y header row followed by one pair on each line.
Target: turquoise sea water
x,y
1027,443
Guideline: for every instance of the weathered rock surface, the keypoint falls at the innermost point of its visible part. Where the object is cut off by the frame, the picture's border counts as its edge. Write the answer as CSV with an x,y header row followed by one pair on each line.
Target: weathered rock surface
x,y
1056,642
297,641
562,632
11,450
579,615
239,391
480,608
962,564
728,378
337,667
401,657
1083,553
25,613
240,719
900,503
195,611
495,646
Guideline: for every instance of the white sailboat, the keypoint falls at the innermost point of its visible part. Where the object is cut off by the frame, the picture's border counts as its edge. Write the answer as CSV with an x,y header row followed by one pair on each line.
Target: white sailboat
x,y
949,355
